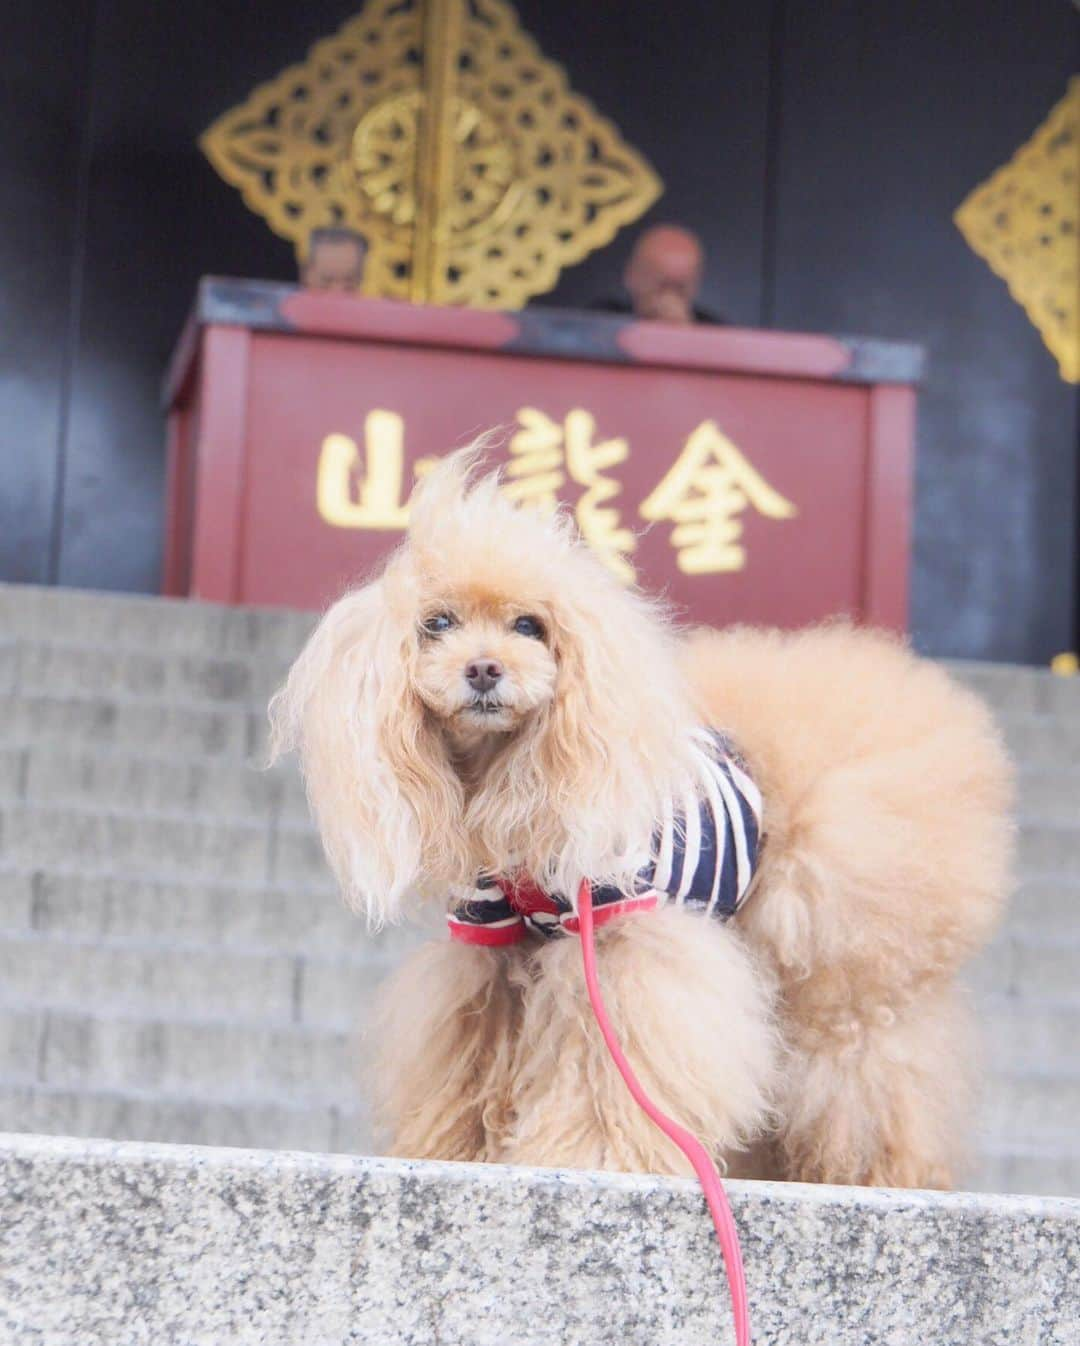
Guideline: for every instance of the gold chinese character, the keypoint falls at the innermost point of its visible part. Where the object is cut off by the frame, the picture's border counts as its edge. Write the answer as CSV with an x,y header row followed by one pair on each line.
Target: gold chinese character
x,y
707,486
375,499
534,473
542,449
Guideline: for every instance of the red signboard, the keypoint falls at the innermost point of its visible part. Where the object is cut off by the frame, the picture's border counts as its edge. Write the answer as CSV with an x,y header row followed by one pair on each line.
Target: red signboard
x,y
750,476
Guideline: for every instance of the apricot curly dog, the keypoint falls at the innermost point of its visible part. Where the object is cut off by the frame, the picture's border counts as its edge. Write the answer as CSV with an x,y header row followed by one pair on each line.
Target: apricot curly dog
x,y
794,840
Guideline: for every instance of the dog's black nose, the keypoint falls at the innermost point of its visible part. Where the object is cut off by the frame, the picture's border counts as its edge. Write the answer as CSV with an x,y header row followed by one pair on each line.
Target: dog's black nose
x,y
483,674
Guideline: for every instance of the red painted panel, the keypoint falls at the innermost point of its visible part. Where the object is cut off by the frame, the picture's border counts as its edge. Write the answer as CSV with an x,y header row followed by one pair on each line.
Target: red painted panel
x,y
177,518
760,352
221,464
806,439
388,320
889,506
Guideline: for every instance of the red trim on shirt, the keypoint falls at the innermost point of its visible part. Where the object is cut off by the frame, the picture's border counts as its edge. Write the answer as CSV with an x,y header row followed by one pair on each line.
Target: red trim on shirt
x,y
608,912
525,897
491,936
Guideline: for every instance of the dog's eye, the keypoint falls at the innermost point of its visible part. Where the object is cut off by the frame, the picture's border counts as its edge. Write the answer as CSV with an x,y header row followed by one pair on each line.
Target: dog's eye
x,y
437,625
529,626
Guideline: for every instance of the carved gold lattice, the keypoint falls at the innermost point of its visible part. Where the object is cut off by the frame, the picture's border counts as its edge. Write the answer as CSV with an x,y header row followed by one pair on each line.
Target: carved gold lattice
x,y
438,130
1024,222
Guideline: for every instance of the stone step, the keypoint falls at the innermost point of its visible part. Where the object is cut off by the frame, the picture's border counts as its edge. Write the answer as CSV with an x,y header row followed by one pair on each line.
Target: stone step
x,y
224,1060
192,729
288,853
312,918
212,1061
142,1115
1048,849
104,909
1020,1034
176,940
1043,795
105,1242
88,907
332,986
192,982
61,668
1038,1173
1009,1159
184,730
1047,904
160,625
1014,689
161,845
53,774
56,773
150,624
1030,1082
1033,1110
137,843
1044,741
1034,964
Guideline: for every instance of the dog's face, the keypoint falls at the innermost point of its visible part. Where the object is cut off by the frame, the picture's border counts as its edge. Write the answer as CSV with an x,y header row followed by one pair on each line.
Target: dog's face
x,y
484,662
494,700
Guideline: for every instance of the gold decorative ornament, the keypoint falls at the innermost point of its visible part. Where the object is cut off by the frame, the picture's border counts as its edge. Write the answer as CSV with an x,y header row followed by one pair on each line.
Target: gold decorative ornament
x,y
438,130
1024,222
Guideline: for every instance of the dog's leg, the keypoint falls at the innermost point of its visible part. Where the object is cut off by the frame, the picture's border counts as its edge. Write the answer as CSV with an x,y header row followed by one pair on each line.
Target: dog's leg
x,y
444,1039
878,1096
694,1016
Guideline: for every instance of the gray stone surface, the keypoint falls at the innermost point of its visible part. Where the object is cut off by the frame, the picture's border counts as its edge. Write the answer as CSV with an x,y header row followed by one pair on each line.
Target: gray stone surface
x,y
1049,741
1018,1033
1038,1105
109,1243
1012,689
71,975
195,983
155,845
57,669
1051,796
1046,1169
130,621
213,1061
52,775
1044,903
142,1115
139,726
1023,959
74,905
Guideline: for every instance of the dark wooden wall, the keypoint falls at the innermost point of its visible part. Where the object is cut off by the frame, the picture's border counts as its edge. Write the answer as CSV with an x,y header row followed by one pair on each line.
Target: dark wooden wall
x,y
819,149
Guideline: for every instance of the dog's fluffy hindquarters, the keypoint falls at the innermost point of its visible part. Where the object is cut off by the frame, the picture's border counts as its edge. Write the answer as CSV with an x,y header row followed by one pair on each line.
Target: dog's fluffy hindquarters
x,y
496,705
886,867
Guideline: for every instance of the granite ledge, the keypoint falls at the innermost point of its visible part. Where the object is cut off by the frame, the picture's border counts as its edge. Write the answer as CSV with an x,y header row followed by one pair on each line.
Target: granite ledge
x,y
117,1242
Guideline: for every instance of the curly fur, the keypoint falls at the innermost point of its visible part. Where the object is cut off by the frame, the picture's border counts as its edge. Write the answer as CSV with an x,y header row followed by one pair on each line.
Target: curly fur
x,y
819,1036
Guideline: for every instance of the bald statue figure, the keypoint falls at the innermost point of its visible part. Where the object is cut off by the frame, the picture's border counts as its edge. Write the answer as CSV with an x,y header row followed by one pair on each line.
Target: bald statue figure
x,y
663,277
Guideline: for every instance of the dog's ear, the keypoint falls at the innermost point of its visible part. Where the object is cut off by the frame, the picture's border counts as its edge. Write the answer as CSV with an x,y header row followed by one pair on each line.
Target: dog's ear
x,y
349,709
616,737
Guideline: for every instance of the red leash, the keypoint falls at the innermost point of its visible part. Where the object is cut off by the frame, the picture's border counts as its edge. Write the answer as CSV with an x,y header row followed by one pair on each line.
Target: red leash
x,y
689,1144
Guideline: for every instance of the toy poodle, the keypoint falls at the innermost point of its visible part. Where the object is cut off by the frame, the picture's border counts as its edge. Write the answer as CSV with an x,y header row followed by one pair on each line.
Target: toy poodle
x,y
794,841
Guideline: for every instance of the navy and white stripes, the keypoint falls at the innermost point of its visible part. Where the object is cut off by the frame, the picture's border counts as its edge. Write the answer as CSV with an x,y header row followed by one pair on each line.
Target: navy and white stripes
x,y
703,855
707,842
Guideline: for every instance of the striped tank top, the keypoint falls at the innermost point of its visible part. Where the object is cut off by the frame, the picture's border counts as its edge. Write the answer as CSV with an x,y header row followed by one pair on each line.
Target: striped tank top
x,y
703,856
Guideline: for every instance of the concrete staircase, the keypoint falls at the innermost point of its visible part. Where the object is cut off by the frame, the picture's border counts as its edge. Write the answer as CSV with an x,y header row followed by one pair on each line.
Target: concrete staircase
x,y
174,963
